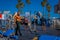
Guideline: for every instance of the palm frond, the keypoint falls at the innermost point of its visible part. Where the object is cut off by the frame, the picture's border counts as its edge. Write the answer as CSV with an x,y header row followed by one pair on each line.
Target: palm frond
x,y
28,1
43,3
48,7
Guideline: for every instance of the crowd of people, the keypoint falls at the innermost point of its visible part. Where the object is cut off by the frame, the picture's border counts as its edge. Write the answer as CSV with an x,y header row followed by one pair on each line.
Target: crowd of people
x,y
18,20
27,23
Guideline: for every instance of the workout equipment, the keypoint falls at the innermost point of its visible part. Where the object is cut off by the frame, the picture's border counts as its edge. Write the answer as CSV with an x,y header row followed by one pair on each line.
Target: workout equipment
x,y
8,33
48,37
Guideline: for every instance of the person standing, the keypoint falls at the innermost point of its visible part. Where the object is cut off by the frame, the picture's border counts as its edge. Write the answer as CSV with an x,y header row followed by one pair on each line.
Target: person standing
x,y
43,20
17,20
35,24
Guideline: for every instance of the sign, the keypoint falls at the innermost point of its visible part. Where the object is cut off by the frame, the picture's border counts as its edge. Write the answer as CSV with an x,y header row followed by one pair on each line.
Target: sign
x,y
27,14
0,16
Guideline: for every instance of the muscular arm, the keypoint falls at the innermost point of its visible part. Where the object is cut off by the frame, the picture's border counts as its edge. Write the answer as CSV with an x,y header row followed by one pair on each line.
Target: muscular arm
x,y
14,19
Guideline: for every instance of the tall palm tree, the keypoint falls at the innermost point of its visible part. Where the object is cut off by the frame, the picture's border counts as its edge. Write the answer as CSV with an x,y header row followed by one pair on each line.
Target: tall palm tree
x,y
29,2
43,4
48,9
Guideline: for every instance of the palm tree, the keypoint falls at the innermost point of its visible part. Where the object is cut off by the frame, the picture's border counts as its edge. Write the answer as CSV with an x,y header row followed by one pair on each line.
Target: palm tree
x,y
28,2
43,4
19,5
48,9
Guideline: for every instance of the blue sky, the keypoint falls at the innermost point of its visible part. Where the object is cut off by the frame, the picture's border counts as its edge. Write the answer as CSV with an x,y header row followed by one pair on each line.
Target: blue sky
x,y
34,6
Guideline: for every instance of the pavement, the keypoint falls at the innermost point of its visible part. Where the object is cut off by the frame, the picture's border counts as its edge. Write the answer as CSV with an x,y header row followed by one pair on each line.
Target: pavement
x,y
27,35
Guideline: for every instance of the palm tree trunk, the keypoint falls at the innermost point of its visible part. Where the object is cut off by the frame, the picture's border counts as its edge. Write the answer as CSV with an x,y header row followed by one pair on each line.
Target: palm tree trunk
x,y
43,12
30,15
48,15
19,9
